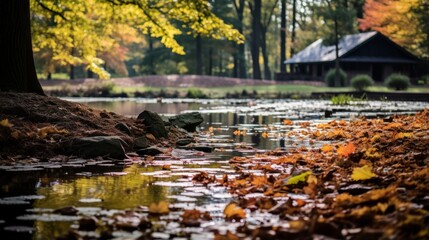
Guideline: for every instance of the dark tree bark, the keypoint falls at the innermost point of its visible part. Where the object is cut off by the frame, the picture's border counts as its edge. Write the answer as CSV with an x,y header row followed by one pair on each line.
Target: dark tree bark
x,y
293,35
240,55
199,55
18,71
255,41
264,25
283,37
210,67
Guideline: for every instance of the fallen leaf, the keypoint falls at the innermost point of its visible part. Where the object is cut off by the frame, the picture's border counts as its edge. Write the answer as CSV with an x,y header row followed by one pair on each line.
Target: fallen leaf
x,y
327,148
159,208
345,151
298,178
6,123
362,173
150,136
287,122
43,132
234,212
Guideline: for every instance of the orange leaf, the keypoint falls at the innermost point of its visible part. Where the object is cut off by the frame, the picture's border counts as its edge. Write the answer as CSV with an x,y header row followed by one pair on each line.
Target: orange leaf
x,y
234,212
327,148
287,122
346,150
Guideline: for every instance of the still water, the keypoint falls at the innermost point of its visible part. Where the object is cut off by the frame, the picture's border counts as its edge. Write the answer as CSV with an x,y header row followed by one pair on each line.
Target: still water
x,y
29,195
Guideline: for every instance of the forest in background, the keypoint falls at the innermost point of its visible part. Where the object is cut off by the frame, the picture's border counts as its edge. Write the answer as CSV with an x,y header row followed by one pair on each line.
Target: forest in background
x,y
94,38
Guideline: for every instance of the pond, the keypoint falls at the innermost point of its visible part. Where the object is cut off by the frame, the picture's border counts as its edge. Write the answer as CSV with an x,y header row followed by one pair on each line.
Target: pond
x,y
34,200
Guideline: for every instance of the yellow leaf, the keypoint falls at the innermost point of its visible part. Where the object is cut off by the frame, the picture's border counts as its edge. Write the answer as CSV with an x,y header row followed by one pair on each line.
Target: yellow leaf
x,y
6,123
345,151
403,135
362,173
150,136
298,178
264,135
43,132
327,148
159,208
234,212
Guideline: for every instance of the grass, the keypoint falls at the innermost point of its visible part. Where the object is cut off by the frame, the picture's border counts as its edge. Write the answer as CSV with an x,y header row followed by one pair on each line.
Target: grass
x,y
268,91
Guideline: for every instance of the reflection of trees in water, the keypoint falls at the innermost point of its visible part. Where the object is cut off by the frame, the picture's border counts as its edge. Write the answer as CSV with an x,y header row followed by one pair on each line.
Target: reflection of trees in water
x,y
117,192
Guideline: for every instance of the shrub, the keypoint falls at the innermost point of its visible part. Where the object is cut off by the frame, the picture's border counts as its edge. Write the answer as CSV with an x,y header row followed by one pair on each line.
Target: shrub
x,y
397,81
361,82
330,78
341,99
195,93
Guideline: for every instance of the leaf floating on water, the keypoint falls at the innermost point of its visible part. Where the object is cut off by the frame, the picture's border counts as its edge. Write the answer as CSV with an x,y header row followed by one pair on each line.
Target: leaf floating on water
x,y
287,122
264,135
159,208
345,151
362,173
234,212
298,178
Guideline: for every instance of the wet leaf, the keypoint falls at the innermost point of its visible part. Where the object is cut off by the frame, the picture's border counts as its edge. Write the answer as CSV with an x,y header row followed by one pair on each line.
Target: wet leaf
x,y
362,173
298,178
43,132
159,208
150,136
346,150
5,123
327,148
287,122
234,212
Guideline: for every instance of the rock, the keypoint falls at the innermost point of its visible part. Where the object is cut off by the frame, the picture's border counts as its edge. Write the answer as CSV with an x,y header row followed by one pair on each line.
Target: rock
x,y
355,189
187,121
184,141
197,148
154,124
150,151
141,142
88,147
123,128
88,224
68,211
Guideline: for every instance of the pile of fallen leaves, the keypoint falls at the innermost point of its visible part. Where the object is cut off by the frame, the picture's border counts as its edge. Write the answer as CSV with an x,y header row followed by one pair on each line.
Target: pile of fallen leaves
x,y
369,181
37,126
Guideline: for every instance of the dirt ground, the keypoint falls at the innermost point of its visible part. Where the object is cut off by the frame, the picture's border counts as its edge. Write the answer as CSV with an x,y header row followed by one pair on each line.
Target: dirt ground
x,y
37,126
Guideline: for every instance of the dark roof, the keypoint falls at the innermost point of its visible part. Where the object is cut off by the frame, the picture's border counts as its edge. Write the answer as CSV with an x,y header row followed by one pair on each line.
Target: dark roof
x,y
317,52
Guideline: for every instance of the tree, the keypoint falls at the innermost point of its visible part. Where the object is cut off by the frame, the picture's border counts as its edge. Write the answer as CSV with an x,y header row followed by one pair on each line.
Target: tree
x,y
340,17
403,21
240,57
283,31
153,17
255,8
18,72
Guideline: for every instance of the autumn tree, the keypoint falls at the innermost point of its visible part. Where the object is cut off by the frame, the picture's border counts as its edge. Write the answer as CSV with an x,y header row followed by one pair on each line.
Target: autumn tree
x,y
403,21
151,17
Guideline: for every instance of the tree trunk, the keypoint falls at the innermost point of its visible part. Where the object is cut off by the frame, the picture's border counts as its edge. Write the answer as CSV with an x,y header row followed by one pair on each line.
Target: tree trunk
x,y
199,55
292,47
71,72
256,32
267,71
241,59
18,71
210,68
283,37
337,60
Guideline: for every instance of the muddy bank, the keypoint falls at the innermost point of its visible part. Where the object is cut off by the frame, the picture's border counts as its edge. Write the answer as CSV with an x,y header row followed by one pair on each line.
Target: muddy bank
x,y
42,127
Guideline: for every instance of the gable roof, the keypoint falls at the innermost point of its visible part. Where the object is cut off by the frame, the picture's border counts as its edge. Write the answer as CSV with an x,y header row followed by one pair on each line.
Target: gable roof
x,y
317,52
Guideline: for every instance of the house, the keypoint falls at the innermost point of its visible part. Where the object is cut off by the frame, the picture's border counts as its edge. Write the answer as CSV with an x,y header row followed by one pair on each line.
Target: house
x,y
369,53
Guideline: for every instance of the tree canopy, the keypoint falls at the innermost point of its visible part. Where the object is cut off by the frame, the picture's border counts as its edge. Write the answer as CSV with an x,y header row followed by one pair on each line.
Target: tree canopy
x,y
94,33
